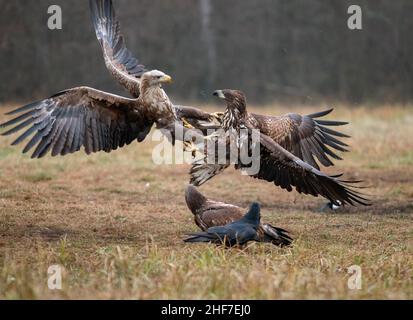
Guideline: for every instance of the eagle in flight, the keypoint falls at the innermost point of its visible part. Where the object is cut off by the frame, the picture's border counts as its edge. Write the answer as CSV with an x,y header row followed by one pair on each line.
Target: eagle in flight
x,y
287,147
100,121
209,213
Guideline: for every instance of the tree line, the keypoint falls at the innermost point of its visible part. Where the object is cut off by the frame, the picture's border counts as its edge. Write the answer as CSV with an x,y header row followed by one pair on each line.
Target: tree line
x,y
296,51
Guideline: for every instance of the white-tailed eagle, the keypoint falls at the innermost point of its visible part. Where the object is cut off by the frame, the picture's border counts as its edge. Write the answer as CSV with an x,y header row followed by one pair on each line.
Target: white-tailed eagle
x,y
288,145
87,118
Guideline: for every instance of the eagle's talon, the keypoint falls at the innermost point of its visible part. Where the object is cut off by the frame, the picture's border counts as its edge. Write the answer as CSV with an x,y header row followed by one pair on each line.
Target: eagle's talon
x,y
216,117
187,124
191,147
212,137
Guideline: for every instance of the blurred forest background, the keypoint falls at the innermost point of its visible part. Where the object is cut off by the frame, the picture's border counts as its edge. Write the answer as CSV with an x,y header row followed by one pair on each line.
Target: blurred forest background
x,y
287,51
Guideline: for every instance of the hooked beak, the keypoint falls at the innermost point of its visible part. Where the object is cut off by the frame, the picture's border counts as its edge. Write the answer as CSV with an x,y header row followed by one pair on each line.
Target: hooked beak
x,y
220,94
166,79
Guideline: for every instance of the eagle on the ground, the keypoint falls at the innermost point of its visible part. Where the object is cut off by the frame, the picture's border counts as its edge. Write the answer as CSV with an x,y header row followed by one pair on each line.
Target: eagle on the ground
x,y
100,121
209,213
237,233
288,145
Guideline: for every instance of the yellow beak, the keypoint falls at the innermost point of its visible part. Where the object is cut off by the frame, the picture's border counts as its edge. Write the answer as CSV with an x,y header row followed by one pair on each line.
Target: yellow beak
x,y
166,79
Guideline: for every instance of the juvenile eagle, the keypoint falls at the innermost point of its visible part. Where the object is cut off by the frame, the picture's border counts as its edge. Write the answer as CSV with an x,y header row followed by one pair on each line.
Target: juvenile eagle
x,y
209,213
100,121
288,145
237,233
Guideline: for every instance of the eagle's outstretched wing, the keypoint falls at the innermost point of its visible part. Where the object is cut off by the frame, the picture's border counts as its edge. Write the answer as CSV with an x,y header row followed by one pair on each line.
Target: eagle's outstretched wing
x,y
76,118
201,120
307,137
118,59
192,113
126,69
288,171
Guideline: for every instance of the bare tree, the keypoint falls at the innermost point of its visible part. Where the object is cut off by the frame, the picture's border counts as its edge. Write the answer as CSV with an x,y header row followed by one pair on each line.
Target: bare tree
x,y
209,39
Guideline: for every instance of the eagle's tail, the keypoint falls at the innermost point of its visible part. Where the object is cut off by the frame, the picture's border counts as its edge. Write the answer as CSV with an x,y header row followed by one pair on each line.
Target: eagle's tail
x,y
194,199
202,172
276,236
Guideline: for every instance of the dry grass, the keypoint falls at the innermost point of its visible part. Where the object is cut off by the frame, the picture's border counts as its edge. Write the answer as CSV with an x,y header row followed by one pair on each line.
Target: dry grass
x,y
116,223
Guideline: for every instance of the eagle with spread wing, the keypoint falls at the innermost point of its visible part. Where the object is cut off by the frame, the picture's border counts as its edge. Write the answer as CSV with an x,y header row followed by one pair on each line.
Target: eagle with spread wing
x,y
209,213
288,146
100,121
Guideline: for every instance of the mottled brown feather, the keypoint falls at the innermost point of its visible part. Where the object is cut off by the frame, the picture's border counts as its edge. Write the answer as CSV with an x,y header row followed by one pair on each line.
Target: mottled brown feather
x,y
78,117
120,62
125,68
302,136
288,146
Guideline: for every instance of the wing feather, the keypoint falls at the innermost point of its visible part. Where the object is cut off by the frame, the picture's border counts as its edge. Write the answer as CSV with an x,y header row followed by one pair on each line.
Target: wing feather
x,y
306,137
293,172
118,59
78,117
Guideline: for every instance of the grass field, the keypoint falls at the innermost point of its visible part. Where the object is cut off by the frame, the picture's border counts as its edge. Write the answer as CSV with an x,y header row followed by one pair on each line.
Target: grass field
x,y
115,222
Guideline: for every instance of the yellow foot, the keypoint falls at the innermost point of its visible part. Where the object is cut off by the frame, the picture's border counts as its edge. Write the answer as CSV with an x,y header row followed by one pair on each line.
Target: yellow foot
x,y
187,124
212,137
217,117
191,147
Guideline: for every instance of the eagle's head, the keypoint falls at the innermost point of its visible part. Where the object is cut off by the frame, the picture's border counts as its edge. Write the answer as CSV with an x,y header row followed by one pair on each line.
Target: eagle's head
x,y
155,78
235,99
236,108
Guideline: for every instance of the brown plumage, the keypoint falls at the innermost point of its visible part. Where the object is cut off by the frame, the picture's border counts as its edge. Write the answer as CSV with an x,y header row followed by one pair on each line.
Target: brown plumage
x,y
128,71
209,213
121,63
288,145
100,121
304,136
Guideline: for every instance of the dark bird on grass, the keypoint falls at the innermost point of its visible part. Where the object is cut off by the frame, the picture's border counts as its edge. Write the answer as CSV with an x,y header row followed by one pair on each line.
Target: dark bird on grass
x,y
237,233
97,120
287,147
209,213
